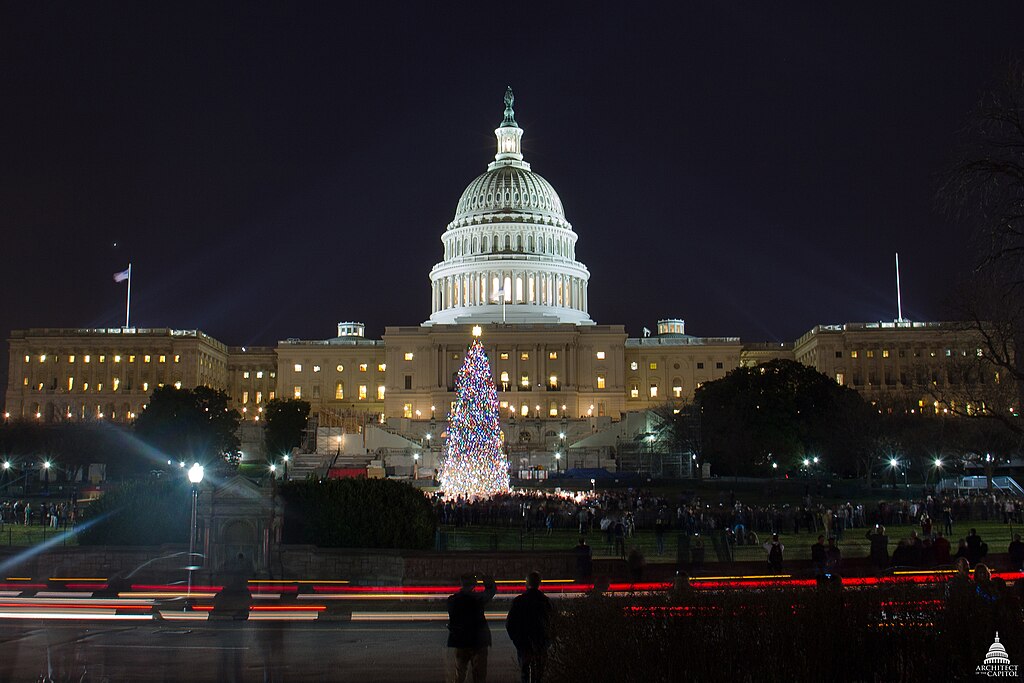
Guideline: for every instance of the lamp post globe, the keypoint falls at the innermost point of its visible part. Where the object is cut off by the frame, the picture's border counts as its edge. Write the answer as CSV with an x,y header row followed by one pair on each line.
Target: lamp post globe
x,y
195,475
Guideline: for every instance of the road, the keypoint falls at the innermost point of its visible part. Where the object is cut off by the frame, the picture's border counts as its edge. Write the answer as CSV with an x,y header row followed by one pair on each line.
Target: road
x,y
237,651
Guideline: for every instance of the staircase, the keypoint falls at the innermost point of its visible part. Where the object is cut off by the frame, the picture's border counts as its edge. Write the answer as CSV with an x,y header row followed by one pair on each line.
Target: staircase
x,y
1003,485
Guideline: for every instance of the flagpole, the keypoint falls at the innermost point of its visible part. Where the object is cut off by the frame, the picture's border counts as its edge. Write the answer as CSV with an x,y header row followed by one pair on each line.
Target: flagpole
x,y
128,304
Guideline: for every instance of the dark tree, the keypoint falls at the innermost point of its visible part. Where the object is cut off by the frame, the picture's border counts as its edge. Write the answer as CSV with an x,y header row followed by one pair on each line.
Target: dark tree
x,y
780,411
284,421
357,513
191,425
985,191
143,512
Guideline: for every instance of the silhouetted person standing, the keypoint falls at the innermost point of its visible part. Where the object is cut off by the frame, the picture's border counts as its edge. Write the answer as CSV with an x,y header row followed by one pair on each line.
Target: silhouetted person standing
x,y
468,632
528,625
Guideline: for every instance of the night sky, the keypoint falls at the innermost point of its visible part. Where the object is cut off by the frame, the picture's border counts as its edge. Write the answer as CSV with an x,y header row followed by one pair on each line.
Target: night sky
x,y
750,167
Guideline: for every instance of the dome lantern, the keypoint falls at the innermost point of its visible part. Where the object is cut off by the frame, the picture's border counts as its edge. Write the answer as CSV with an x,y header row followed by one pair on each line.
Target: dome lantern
x,y
510,137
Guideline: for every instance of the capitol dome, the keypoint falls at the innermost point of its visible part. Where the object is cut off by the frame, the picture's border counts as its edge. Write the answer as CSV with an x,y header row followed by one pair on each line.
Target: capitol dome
x,y
509,188
509,252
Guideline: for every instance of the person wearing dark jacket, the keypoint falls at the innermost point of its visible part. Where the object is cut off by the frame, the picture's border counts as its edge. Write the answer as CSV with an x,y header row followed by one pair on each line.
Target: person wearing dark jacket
x,y
529,626
468,632
1016,553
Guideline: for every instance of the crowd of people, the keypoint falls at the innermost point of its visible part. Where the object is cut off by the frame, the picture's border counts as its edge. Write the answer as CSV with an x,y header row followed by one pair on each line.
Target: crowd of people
x,y
27,513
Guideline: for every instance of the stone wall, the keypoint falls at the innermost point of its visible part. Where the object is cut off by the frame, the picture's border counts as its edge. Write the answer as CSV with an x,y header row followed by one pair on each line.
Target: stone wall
x,y
370,567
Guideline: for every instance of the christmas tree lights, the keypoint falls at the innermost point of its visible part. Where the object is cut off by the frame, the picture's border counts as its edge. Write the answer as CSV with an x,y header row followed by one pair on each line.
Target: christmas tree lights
x,y
473,463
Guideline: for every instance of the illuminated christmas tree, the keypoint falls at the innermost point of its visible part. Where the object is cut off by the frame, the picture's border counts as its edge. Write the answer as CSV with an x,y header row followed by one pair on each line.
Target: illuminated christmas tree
x,y
473,463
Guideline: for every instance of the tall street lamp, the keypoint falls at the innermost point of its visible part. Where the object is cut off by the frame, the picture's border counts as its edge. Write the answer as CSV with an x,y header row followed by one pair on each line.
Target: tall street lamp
x,y
286,458
46,475
415,465
195,475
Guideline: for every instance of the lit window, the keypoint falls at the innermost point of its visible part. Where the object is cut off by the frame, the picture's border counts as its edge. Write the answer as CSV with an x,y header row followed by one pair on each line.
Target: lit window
x,y
524,380
117,359
654,391
406,410
145,386
340,368
273,375
362,392
259,397
504,377
503,404
653,366
71,383
870,353
297,392
339,391
177,358
316,368
553,409
634,365
524,410
382,367
163,358
245,397
408,355
88,359
553,380
259,374
524,356
131,359
145,359
27,359
840,378
71,358
600,381
25,382
271,395
634,391
85,386
553,355
853,354
177,385
298,367
103,359
885,353
503,355
42,358
117,383
245,375
362,367
600,355
677,391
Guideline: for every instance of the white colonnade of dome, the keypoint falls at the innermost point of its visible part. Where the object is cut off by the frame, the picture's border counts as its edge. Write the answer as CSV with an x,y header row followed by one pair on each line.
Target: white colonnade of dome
x,y
509,253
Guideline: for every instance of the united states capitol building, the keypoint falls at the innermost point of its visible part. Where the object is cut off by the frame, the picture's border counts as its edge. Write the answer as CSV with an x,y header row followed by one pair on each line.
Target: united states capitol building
x,y
567,384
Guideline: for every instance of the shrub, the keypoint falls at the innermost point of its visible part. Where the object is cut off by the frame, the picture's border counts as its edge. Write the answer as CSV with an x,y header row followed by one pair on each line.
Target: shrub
x,y
144,512
357,513
885,633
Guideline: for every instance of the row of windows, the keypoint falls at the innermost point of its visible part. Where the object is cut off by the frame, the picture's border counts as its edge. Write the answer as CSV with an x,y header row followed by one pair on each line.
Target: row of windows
x,y
115,385
917,353
102,358
653,391
525,355
339,392
259,374
363,367
653,365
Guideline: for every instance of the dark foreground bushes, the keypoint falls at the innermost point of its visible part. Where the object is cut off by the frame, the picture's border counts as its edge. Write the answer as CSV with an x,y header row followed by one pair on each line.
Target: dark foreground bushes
x,y
357,513
144,512
875,634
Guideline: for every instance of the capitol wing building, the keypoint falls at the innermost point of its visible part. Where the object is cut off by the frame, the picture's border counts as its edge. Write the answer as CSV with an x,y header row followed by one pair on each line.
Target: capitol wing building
x,y
566,384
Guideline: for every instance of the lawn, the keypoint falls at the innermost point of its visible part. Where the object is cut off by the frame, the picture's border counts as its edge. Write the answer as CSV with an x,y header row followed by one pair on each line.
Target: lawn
x,y
20,535
798,546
